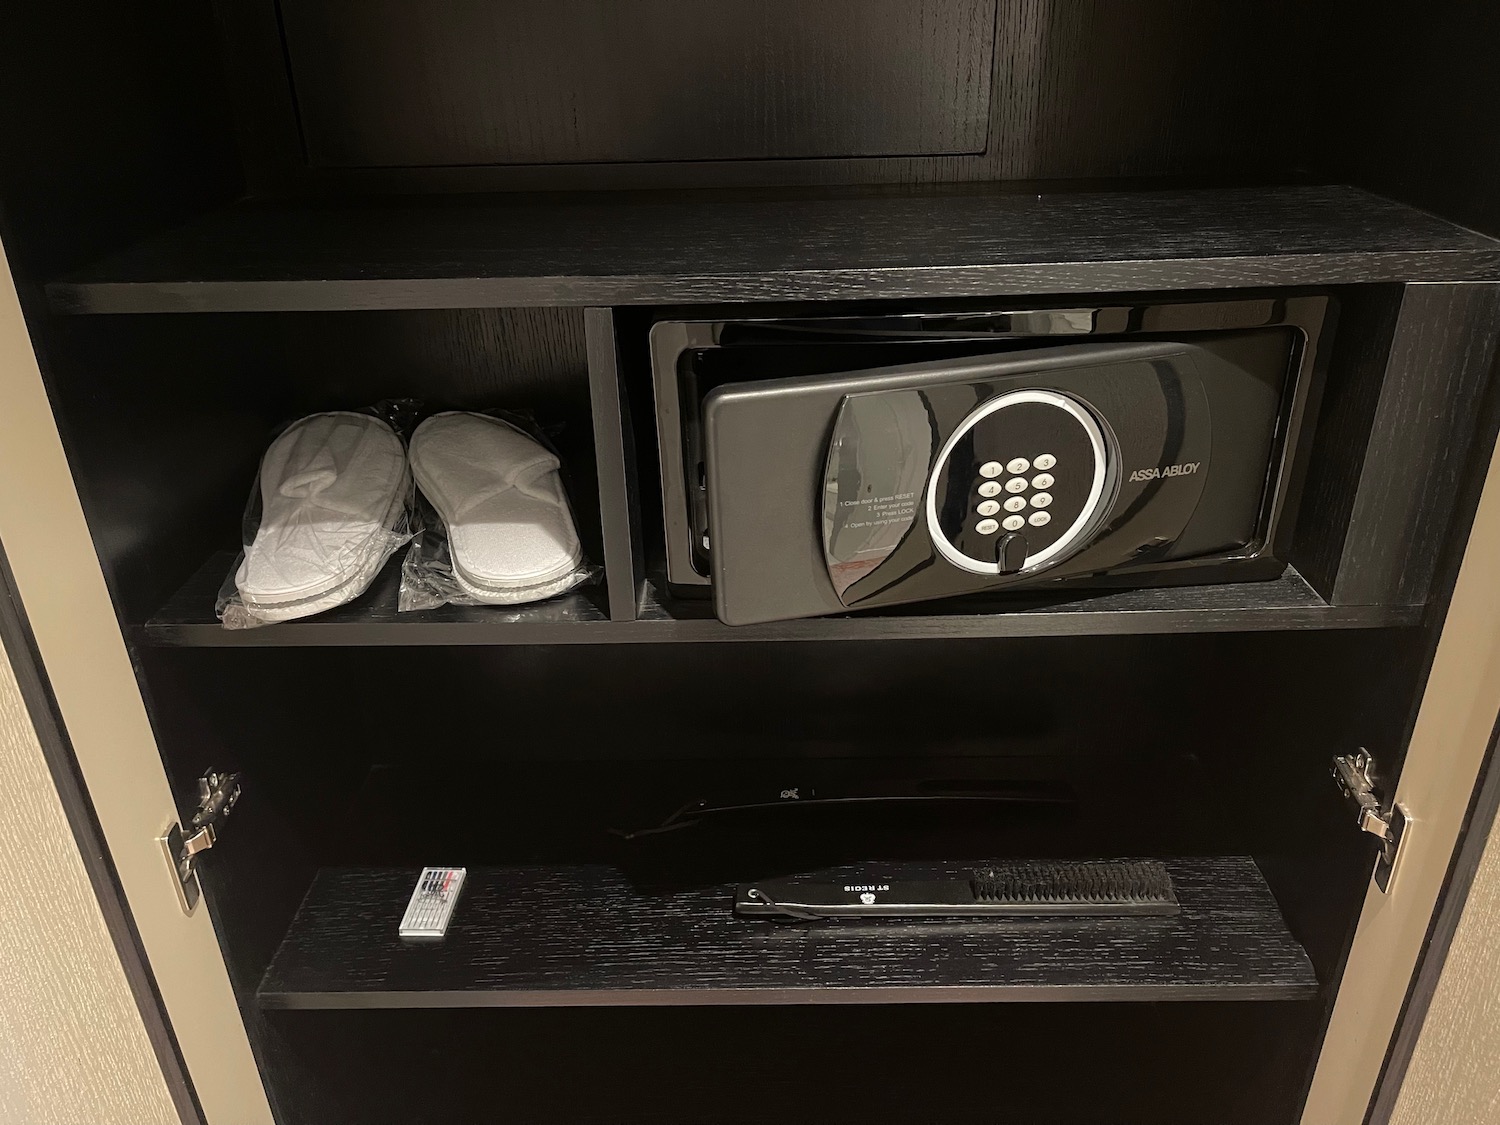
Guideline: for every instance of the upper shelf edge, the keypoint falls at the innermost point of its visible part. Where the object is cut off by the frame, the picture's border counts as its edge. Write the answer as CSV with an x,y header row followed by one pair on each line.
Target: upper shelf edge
x,y
468,252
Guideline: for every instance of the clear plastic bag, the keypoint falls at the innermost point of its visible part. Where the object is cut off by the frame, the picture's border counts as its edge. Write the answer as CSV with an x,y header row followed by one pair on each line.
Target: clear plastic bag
x,y
332,501
496,524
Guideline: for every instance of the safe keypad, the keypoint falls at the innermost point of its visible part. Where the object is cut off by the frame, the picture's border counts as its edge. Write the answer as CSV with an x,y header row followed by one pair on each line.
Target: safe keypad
x,y
1036,457
1017,484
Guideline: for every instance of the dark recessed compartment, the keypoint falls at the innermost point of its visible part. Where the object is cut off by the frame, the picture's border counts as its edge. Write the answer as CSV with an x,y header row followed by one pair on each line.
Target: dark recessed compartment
x,y
543,748
174,413
547,83
1288,454
273,209
1167,440
574,901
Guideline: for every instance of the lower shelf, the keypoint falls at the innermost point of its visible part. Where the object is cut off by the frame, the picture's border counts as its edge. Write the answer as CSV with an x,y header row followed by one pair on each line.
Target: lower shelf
x,y
558,936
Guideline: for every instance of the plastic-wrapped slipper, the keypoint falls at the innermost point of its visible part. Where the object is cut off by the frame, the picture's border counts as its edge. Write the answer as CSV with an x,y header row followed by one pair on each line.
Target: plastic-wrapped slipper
x,y
334,489
510,531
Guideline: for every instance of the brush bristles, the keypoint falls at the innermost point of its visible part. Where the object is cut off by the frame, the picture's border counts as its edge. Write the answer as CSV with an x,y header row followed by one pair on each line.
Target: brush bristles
x,y
1102,882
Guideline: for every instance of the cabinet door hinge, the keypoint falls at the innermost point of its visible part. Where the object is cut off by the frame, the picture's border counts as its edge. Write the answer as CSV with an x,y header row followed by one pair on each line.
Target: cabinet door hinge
x,y
217,794
1356,777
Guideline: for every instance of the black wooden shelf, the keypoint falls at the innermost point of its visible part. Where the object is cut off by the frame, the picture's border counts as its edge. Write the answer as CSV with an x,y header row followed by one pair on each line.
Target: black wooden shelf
x,y
579,618
371,619
640,249
1283,603
540,936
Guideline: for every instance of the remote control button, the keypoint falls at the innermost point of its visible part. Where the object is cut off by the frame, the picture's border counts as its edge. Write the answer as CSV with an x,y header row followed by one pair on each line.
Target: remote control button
x,y
991,469
1042,480
1019,465
1045,461
990,488
1015,503
1016,484
1013,523
988,508
986,527
1039,519
1041,499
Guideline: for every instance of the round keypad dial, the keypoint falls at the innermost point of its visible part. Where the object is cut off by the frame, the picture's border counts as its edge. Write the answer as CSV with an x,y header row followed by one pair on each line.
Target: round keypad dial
x,y
1039,456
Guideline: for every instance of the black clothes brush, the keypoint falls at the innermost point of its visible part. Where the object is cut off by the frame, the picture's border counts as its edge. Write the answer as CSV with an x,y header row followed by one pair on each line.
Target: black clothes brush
x,y
1024,888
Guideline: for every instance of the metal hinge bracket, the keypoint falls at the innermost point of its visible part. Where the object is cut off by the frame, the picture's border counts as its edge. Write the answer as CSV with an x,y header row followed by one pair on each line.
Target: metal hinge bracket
x,y
1356,777
217,794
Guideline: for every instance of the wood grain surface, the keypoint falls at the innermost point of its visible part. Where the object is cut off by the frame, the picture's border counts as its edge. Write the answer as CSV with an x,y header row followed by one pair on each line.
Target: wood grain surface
x,y
614,456
580,617
1076,89
1428,407
1357,352
388,83
75,1048
757,247
583,935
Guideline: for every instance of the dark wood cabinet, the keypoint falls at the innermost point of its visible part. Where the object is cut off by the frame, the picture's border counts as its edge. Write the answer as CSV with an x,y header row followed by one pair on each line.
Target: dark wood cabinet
x,y
224,216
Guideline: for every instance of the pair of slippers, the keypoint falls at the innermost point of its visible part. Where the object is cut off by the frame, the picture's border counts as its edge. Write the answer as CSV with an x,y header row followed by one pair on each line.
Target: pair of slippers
x,y
335,491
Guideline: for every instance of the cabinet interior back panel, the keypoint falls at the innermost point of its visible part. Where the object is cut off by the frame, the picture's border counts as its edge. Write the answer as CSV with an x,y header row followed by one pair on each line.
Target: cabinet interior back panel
x,y
398,83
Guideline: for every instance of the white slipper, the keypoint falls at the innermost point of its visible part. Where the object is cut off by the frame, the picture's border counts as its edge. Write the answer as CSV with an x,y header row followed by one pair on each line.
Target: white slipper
x,y
511,536
333,493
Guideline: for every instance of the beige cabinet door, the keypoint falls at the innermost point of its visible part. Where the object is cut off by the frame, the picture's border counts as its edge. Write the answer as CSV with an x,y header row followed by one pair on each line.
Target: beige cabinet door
x,y
1454,1074
76,1047
61,589
1449,742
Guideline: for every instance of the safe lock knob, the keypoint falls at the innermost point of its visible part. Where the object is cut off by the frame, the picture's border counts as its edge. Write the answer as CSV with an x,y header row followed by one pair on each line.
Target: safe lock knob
x,y
1010,552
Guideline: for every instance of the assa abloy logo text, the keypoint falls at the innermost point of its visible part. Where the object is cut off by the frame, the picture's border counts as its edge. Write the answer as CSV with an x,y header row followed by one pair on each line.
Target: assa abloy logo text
x,y
1186,469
